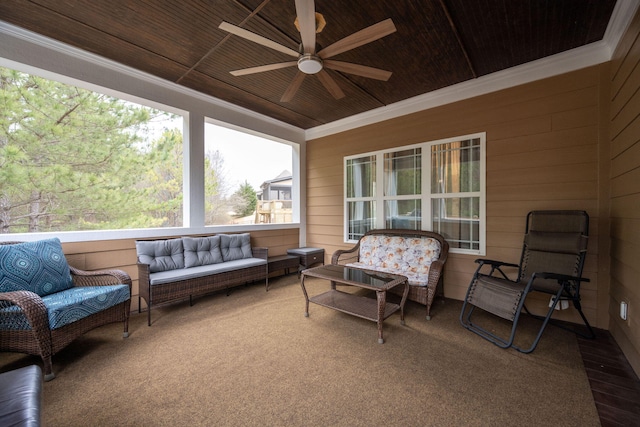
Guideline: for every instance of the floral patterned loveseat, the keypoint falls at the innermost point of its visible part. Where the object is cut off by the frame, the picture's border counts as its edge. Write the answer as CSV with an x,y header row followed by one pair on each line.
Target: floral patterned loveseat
x,y
418,255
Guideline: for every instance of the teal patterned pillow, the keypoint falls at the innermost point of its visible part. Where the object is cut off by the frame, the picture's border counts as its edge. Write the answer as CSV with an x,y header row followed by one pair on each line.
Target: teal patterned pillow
x,y
38,267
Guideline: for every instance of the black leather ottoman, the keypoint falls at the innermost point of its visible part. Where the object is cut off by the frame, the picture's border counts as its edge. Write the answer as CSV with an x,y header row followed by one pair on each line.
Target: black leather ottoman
x,y
21,396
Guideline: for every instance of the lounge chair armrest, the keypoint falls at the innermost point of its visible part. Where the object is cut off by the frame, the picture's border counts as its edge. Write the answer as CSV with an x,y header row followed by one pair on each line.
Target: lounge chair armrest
x,y
260,252
494,263
99,277
36,313
495,266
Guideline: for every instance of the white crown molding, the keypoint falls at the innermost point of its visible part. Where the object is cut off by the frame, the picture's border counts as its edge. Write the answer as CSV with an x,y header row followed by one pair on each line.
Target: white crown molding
x,y
565,62
623,13
575,59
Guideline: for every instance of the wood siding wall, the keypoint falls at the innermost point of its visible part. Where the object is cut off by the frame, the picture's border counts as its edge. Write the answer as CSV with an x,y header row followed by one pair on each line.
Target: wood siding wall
x,y
625,192
121,254
543,142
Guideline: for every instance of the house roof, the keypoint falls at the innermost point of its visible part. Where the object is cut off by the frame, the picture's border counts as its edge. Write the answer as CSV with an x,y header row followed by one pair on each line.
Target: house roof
x,y
437,44
285,175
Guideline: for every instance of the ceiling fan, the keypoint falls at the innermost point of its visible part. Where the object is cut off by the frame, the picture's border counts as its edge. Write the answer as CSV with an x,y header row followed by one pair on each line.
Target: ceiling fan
x,y
308,60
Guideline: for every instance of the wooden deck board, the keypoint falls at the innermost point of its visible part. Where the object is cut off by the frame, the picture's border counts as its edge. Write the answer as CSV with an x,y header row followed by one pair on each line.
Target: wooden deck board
x,y
614,384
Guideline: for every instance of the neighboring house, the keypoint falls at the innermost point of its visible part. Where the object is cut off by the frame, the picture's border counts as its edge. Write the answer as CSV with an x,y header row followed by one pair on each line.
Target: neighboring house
x,y
274,200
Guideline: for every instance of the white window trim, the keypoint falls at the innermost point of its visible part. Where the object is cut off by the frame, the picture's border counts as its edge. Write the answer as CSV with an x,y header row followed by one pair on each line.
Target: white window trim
x,y
426,195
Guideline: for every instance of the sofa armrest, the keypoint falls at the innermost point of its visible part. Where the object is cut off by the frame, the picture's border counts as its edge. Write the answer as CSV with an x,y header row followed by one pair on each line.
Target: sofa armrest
x,y
99,277
144,273
260,252
36,313
344,256
435,272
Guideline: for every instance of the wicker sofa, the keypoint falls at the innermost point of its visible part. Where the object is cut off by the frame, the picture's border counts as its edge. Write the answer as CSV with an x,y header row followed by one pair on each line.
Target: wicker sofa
x,y
45,304
171,270
418,255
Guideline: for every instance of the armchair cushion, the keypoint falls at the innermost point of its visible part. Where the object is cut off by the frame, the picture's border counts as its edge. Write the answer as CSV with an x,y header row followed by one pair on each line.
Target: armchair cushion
x,y
68,306
39,267
161,255
201,251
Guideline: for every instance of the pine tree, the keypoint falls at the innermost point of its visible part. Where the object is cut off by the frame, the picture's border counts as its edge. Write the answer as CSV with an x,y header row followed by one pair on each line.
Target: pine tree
x,y
70,159
244,200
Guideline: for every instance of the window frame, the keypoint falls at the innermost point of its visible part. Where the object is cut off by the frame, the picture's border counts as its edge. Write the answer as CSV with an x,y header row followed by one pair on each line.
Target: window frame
x,y
426,196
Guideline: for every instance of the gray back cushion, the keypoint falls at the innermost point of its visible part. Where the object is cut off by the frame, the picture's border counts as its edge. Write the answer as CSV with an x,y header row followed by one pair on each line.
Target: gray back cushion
x,y
235,246
201,251
161,255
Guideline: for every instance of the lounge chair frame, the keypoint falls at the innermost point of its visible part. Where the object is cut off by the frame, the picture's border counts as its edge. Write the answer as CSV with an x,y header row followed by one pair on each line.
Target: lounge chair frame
x,y
551,262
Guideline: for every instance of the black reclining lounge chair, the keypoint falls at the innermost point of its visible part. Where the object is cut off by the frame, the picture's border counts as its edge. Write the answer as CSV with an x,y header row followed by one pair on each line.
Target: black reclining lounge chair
x,y
555,246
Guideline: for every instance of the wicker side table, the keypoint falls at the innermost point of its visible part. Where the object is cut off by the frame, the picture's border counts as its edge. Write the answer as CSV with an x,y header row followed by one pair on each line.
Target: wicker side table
x,y
283,262
308,256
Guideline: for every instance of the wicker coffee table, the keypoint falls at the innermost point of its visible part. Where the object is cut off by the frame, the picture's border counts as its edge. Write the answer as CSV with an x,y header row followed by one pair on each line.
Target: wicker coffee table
x,y
367,308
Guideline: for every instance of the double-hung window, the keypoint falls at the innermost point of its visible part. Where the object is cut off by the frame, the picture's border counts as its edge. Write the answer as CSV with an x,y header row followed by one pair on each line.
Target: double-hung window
x,y
360,179
437,186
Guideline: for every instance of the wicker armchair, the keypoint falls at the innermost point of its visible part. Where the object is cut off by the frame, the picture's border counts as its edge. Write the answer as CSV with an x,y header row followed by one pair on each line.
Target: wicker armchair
x,y
40,339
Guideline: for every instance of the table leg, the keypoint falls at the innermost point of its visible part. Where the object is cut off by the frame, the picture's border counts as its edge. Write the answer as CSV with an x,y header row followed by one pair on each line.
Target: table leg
x,y
306,297
405,294
382,302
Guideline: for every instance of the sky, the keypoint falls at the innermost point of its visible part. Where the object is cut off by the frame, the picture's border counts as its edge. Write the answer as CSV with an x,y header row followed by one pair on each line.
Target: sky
x,y
246,157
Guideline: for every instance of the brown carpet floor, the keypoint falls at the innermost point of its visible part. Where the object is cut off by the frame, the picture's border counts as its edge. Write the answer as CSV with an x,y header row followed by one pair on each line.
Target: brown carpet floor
x,y
253,359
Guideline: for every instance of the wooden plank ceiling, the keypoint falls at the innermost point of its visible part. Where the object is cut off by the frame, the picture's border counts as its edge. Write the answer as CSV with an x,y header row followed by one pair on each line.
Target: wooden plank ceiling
x,y
438,43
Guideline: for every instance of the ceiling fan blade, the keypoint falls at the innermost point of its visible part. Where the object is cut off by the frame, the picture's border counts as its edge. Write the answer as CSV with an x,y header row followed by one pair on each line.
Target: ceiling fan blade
x,y
263,68
330,84
248,35
305,10
293,87
358,70
362,37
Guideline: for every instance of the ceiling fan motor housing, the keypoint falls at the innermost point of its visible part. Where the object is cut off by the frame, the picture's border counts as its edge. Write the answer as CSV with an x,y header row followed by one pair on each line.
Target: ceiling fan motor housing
x,y
309,64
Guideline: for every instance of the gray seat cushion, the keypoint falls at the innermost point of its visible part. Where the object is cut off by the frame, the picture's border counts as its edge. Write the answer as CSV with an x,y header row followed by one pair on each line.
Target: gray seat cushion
x,y
203,270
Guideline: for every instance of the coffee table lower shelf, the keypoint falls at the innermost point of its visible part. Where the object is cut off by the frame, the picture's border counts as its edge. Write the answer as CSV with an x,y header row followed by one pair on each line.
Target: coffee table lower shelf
x,y
366,308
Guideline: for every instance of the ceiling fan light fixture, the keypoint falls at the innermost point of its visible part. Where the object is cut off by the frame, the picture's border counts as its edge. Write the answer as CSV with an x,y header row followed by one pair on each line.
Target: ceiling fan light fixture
x,y
309,64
